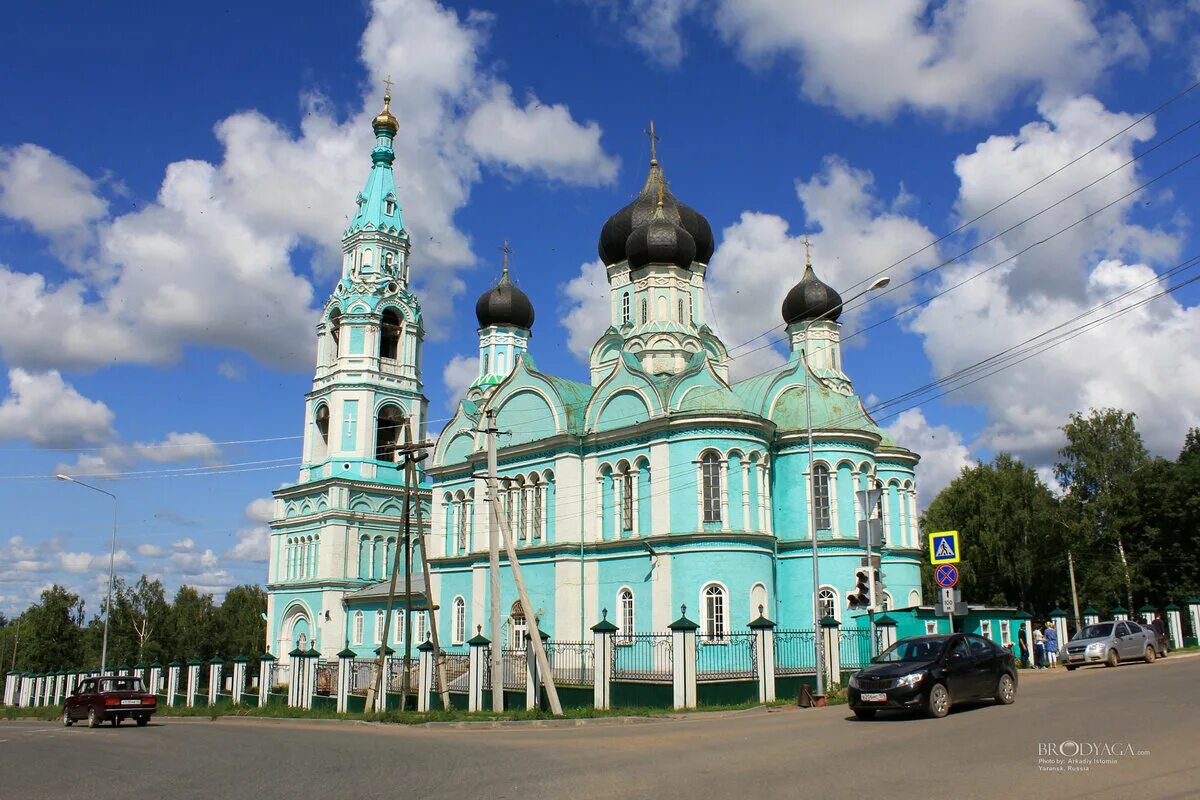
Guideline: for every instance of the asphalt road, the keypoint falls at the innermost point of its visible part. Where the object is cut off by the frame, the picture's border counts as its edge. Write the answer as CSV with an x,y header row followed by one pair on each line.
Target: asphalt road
x,y
1148,717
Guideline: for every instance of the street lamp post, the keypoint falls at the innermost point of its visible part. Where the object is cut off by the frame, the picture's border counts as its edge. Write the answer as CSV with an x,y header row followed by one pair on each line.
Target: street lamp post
x,y
112,557
818,639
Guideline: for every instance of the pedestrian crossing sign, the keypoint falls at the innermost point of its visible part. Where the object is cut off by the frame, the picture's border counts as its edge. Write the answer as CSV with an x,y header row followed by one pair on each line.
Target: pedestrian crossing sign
x,y
943,548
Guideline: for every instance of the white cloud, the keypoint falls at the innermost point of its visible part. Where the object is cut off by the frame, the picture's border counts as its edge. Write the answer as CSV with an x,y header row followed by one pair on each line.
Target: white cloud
x,y
116,457
964,59
191,563
654,26
261,510
50,195
588,303
80,563
208,261
539,139
47,411
943,454
253,543
150,551
457,376
184,545
228,368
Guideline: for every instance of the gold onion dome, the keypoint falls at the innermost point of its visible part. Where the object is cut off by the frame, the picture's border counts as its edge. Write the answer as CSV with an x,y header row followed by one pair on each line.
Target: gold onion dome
x,y
384,119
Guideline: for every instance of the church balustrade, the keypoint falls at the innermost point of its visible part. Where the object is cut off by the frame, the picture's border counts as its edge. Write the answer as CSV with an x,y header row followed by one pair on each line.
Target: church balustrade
x,y
733,657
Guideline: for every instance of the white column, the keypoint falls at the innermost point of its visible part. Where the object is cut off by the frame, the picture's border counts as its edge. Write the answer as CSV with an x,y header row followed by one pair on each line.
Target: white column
x,y
214,683
764,648
266,666
602,638
683,663
887,515
172,683
724,494
635,485
193,682
527,510
476,668
599,508
745,494
1175,628
424,675
345,669
768,517
1193,605
618,493
699,495
239,680
835,526
810,526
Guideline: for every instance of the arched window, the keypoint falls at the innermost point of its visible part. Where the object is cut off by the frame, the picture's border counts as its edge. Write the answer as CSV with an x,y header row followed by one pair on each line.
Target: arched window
x,y
627,489
358,627
885,602
625,308
389,207
680,317
322,422
758,601
827,604
379,620
366,257
625,617
335,333
645,311
522,508
519,629
914,599
389,334
459,630
484,369
715,627
821,496
388,426
419,628
710,473
463,514
538,493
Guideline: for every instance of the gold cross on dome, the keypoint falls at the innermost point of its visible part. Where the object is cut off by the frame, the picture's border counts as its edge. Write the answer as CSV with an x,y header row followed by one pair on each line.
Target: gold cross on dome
x,y
387,86
807,250
653,138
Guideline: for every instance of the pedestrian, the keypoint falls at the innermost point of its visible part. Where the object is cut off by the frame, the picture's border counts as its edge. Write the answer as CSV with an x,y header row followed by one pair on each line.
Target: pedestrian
x,y
1039,648
1051,645
1024,646
1159,625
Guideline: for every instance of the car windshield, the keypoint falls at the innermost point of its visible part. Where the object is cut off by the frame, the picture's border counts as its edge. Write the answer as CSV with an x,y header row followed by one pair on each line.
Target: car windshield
x,y
1096,631
912,650
121,685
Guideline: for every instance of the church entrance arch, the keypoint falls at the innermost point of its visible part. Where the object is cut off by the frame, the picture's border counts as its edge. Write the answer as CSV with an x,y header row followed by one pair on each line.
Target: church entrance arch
x,y
296,626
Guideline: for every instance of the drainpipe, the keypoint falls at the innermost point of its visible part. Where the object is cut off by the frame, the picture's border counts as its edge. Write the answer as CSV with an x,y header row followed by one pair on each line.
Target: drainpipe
x,y
582,523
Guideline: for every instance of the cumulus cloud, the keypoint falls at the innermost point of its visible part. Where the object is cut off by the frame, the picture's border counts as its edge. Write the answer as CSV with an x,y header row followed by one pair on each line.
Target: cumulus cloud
x,y
150,551
50,195
956,58
192,563
587,314
80,563
943,454
653,26
457,376
116,457
45,410
209,261
253,543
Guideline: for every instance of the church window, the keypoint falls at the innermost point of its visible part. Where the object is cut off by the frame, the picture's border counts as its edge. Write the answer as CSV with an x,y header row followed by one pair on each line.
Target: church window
x,y
645,312
322,424
389,334
885,604
463,514
484,370
387,432
335,331
716,613
366,257
388,258
914,598
522,513
519,629
459,633
820,492
758,601
500,363
380,619
358,627
710,471
419,635
680,317
627,488
827,605
1005,632
625,308
625,617
536,491
389,207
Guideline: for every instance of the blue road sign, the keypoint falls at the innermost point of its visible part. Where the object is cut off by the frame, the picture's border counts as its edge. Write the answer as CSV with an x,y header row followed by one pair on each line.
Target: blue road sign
x,y
946,575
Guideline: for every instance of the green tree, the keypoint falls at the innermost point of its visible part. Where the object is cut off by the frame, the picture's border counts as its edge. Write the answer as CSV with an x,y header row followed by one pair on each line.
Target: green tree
x,y
50,632
1097,467
1006,516
192,625
241,629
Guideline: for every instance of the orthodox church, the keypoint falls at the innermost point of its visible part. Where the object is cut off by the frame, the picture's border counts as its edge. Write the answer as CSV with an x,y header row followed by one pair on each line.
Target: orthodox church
x,y
657,483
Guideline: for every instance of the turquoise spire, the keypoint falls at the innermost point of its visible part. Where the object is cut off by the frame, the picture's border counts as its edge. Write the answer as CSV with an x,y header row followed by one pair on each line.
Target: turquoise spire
x,y
378,205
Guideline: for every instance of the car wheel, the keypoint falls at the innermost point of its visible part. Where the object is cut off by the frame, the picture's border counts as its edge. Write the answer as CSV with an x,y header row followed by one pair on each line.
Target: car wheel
x,y
93,718
938,703
142,721
67,721
1113,659
1150,656
1006,690
1070,669
864,713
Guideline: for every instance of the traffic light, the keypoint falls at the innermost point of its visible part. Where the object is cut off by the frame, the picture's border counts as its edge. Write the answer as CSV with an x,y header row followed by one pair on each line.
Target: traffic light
x,y
861,597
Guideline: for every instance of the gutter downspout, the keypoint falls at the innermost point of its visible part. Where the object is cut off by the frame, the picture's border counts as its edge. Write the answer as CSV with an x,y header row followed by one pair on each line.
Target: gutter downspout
x,y
582,523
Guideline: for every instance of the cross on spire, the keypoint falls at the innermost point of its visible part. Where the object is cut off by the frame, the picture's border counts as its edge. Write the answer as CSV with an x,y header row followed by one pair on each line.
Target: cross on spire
x,y
507,251
387,87
807,250
653,139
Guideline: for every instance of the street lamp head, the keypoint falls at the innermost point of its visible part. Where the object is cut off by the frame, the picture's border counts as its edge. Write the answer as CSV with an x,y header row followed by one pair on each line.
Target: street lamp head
x,y
879,284
63,477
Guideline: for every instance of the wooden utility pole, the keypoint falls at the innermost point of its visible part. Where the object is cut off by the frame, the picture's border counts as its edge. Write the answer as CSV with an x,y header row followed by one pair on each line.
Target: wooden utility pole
x,y
438,661
493,500
409,471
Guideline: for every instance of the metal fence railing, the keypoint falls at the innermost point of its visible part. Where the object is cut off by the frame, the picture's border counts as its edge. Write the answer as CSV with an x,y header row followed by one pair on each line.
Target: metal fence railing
x,y
572,663
727,658
513,662
327,677
643,657
361,672
795,651
854,648
458,671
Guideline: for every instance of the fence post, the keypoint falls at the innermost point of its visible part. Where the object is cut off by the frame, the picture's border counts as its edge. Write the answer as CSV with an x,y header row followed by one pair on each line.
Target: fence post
x,y
193,684
533,679
10,681
381,697
214,679
885,628
48,689
154,681
1090,616
345,670
602,636
72,681
830,630
60,681
238,687
476,666
1193,604
424,674
26,690
266,665
1174,626
764,646
1120,613
1147,612
313,657
173,681
1059,618
683,660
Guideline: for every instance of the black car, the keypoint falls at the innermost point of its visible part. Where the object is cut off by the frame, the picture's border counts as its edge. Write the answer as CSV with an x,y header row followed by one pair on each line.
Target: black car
x,y
930,673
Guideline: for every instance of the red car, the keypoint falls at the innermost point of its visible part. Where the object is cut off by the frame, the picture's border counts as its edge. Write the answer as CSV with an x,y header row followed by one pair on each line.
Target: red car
x,y
110,698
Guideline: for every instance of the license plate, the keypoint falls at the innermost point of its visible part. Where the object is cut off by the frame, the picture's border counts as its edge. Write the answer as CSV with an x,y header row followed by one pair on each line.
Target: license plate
x,y
131,702
873,697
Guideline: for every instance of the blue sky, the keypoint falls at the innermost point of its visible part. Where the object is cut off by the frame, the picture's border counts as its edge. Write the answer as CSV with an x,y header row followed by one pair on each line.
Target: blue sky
x,y
173,184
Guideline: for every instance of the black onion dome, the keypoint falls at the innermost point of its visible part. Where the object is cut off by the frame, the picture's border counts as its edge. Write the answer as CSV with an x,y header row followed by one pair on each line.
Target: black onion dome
x,y
660,241
811,299
504,304
615,233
